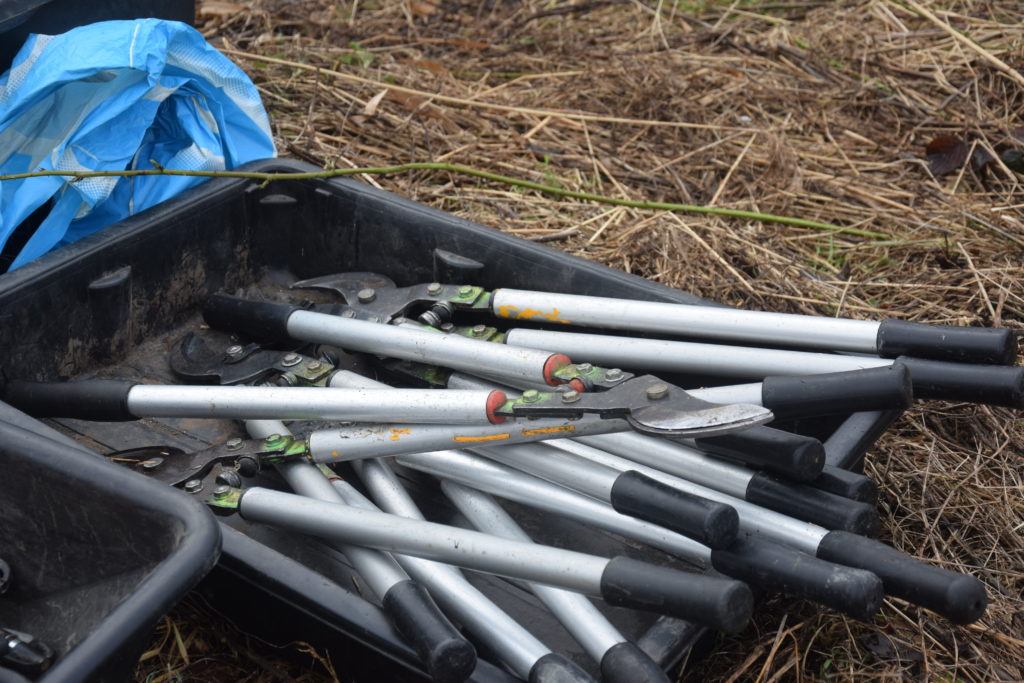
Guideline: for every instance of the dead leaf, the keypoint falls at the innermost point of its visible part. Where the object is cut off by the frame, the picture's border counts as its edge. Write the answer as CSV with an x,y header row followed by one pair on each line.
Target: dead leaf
x,y
371,107
218,9
422,8
946,154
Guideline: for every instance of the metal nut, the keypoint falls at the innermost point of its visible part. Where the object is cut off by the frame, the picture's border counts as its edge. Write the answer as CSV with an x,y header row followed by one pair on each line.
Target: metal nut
x,y
434,288
367,295
584,367
221,491
290,359
194,485
151,464
570,396
233,351
447,327
657,391
314,365
614,375
465,290
478,330
531,395
233,444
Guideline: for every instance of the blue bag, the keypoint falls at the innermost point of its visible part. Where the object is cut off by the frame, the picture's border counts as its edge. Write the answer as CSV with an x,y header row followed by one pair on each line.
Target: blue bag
x,y
112,96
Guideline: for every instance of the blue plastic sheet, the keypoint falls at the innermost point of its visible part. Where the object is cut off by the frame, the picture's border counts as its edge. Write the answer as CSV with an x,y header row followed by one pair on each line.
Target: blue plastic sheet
x,y
112,96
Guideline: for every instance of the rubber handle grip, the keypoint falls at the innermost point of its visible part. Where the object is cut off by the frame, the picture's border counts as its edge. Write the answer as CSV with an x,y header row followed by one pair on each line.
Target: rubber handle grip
x,y
104,400
554,668
261,321
854,592
990,346
837,392
448,657
712,523
812,505
996,385
847,484
626,663
724,604
958,597
793,456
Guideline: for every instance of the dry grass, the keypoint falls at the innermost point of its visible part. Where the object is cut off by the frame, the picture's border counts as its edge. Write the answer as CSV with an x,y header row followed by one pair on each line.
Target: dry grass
x,y
813,109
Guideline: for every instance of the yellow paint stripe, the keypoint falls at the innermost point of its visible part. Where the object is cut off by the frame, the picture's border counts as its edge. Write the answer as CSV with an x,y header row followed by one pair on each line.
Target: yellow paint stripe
x,y
477,439
548,430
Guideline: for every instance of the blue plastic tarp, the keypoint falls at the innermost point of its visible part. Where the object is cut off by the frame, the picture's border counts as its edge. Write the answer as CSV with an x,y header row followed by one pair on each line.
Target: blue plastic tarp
x,y
112,96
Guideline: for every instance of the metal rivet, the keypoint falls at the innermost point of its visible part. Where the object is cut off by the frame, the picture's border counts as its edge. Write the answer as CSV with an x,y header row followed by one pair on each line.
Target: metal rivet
x,y
657,391
367,295
290,359
233,444
314,365
194,485
584,367
465,290
614,375
434,288
570,396
152,463
531,395
478,330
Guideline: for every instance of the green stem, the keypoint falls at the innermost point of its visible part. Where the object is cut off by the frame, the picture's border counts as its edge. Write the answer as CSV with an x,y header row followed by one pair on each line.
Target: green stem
x,y
454,168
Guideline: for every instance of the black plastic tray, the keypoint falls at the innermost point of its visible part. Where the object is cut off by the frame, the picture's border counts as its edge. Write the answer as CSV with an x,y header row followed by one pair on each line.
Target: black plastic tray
x,y
114,303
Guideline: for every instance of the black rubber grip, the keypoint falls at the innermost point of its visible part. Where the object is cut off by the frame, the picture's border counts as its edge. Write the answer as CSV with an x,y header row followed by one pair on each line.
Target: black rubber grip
x,y
626,663
837,392
846,447
812,505
261,321
448,657
855,592
793,456
721,603
994,346
847,484
712,523
554,668
104,400
958,597
996,385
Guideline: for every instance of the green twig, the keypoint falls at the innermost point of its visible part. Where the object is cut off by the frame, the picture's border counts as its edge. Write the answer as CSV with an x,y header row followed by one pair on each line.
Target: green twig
x,y
465,170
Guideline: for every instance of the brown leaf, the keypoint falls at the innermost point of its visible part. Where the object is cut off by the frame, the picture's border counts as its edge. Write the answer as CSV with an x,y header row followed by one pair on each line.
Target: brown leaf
x,y
946,154
371,107
218,9
422,8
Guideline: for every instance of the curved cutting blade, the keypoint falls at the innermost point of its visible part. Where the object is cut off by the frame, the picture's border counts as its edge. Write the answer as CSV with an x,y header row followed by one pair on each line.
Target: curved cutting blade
x,y
694,422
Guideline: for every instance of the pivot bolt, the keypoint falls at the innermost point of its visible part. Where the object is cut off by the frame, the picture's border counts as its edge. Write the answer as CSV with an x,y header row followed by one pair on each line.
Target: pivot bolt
x,y
447,327
531,395
233,444
194,485
367,295
290,359
221,491
478,330
465,290
314,365
584,367
614,375
233,351
570,396
274,440
657,391
151,464
434,288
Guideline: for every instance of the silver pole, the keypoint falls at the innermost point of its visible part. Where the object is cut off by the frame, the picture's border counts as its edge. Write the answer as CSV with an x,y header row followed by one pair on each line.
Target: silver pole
x,y
754,519
576,571
577,614
425,346
435,406
657,355
687,320
488,623
505,482
590,479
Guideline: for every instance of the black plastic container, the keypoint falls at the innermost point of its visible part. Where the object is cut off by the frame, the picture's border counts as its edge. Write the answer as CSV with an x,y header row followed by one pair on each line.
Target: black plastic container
x,y
114,304
97,554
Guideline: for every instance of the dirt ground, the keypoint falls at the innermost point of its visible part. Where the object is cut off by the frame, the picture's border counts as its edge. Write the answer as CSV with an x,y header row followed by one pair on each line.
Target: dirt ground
x,y
824,111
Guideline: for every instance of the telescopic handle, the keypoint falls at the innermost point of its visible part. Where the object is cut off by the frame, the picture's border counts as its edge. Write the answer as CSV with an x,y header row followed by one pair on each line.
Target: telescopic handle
x,y
105,400
447,655
721,603
837,392
261,321
855,592
712,523
997,385
796,457
958,597
995,346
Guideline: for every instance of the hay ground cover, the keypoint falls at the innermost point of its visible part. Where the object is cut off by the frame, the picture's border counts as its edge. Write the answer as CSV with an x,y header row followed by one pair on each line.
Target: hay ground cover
x,y
816,110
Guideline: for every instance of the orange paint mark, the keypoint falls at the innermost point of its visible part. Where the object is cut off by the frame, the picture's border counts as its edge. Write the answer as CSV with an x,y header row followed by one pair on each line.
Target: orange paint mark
x,y
397,434
336,454
478,439
529,313
548,430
